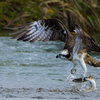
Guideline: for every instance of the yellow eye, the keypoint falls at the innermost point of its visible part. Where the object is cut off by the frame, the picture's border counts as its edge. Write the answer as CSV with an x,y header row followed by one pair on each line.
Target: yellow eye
x,y
60,54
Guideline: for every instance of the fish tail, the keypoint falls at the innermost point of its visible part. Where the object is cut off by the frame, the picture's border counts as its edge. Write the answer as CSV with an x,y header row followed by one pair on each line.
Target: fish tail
x,y
90,89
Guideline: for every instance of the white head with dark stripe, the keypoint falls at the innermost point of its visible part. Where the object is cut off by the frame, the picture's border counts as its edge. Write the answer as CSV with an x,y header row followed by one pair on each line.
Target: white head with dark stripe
x,y
64,54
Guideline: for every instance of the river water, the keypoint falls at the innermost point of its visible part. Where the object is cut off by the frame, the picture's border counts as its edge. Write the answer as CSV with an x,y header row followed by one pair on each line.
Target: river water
x,y
31,71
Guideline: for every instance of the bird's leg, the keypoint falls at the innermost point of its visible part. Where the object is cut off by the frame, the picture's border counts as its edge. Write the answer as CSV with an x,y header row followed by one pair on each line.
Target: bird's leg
x,y
85,70
83,65
73,70
82,77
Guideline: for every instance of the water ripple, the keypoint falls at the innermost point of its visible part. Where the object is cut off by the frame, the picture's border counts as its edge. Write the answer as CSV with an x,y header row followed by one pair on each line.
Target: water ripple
x,y
32,71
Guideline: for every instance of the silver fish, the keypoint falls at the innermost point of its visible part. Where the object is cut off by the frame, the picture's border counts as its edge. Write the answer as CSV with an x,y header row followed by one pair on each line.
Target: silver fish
x,y
89,79
92,83
79,80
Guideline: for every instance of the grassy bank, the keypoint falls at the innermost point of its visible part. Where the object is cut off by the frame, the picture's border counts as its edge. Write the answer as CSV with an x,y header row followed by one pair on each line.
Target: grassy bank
x,y
84,12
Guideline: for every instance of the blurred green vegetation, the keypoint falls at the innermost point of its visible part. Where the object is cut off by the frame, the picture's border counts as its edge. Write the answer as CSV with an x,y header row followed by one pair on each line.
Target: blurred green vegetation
x,y
84,12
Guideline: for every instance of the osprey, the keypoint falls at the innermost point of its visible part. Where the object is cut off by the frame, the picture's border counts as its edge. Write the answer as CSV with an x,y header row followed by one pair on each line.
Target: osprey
x,y
53,29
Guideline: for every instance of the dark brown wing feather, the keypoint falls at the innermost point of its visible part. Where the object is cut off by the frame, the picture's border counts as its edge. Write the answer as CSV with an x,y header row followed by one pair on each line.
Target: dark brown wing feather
x,y
52,29
44,30
91,61
88,42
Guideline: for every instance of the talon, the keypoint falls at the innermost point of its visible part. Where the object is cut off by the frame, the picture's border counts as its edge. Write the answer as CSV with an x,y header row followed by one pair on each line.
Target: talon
x,y
73,71
83,78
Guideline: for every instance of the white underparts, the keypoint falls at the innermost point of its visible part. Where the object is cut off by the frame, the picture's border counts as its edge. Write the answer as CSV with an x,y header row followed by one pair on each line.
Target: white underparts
x,y
80,59
82,63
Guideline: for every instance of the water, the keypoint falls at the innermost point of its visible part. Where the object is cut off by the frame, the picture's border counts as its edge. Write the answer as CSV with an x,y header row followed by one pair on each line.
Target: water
x,y
32,71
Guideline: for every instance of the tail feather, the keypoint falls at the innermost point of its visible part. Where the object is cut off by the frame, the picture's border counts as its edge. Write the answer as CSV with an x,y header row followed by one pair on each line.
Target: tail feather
x,y
91,61
91,87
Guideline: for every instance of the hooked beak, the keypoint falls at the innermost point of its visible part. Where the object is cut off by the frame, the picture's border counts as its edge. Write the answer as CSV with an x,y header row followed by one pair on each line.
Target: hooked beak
x,y
59,56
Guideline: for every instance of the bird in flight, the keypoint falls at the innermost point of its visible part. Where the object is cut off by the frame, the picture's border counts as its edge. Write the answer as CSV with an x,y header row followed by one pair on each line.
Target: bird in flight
x,y
75,50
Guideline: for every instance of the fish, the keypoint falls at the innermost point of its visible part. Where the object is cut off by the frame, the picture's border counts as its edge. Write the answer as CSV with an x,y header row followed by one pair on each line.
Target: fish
x,y
79,80
89,79
92,84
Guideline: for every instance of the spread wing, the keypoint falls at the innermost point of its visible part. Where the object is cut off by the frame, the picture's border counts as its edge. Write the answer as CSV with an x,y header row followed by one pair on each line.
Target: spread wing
x,y
43,30
86,42
47,29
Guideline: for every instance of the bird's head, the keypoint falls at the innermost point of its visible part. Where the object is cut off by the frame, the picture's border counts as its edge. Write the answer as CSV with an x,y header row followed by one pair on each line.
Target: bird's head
x,y
63,54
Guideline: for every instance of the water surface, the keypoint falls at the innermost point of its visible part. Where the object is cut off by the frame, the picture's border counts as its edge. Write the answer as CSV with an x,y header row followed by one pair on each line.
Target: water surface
x,y
32,71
